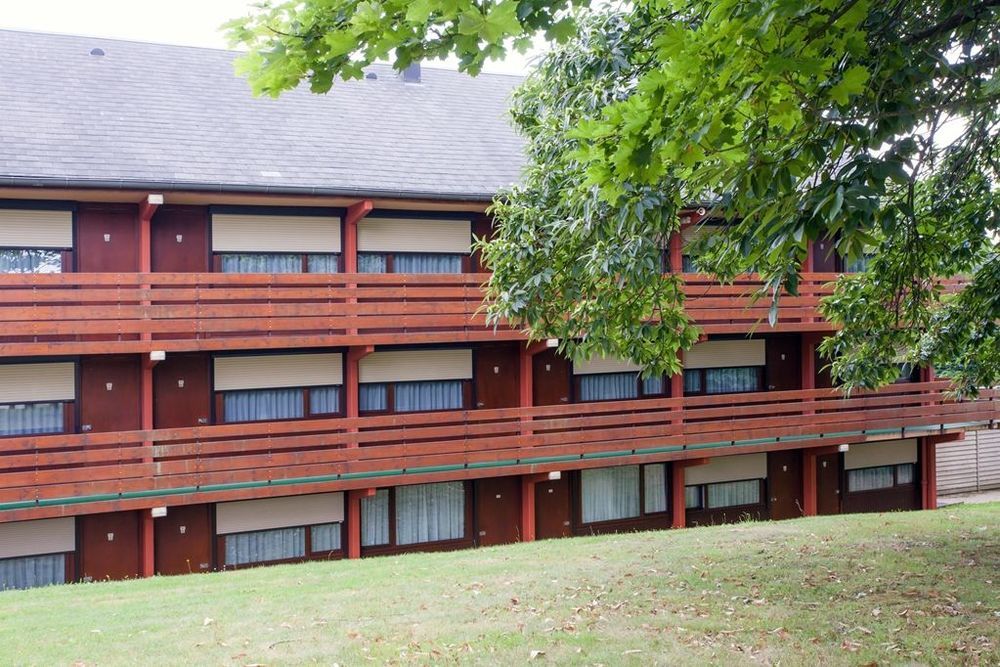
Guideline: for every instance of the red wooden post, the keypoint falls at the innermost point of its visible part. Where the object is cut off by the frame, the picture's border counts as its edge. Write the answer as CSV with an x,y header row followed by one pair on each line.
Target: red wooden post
x,y
928,473
352,378
678,500
676,249
353,518
808,368
355,212
146,529
528,508
809,501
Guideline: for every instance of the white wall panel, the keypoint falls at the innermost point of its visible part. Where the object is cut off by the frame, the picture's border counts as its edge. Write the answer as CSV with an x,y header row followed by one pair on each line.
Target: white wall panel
x,y
414,235
22,383
888,452
23,228
278,370
412,365
727,469
247,515
34,538
726,354
603,365
275,233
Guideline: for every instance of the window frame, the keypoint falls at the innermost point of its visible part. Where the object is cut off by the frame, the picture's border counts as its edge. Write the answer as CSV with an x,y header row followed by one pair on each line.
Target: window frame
x,y
390,398
895,478
640,389
761,386
390,260
303,257
68,423
643,514
703,505
308,552
220,402
467,540
65,259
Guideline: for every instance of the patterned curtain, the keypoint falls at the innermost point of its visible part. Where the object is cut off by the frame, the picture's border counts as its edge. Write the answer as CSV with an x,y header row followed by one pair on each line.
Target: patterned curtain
x,y
609,386
248,262
734,494
263,546
430,512
32,571
420,396
375,519
262,404
731,380
326,263
427,263
325,537
370,262
324,400
610,493
30,260
869,479
31,418
654,479
373,397
692,497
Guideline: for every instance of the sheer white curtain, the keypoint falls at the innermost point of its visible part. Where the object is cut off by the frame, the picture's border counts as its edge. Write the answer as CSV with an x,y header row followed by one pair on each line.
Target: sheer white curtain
x,y
610,493
609,386
325,537
30,418
655,488
369,262
731,380
324,400
249,262
265,545
262,404
427,263
325,263
373,396
734,494
32,571
869,479
432,395
430,512
375,519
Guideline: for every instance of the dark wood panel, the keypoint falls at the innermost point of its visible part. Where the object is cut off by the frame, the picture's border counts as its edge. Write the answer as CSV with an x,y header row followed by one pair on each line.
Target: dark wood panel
x,y
825,258
498,510
784,483
828,484
108,546
553,509
715,517
107,237
179,237
184,540
182,391
551,378
784,362
497,375
109,409
898,498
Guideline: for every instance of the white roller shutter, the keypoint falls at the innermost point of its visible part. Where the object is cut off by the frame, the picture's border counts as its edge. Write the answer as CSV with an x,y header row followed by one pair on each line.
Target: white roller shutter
x,y
34,538
248,515
414,235
728,469
278,370
412,365
23,228
275,233
726,354
603,365
873,454
23,383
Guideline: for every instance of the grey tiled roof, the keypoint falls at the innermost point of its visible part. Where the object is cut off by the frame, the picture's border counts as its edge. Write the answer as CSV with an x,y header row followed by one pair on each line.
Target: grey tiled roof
x,y
179,118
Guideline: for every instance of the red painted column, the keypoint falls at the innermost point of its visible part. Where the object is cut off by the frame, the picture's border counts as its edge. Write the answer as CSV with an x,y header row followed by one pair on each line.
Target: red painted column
x,y
808,368
147,550
353,518
676,253
677,498
355,213
147,553
528,485
809,491
928,473
352,378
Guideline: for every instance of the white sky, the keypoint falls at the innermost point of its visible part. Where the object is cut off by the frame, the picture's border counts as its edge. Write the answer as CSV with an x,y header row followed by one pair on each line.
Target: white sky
x,y
186,22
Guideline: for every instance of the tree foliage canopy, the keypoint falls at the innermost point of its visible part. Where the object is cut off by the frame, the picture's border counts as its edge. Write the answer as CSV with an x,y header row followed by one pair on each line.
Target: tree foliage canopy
x,y
874,124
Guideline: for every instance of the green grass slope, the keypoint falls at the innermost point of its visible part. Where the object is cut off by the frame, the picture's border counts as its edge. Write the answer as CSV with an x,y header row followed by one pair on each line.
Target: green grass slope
x,y
918,587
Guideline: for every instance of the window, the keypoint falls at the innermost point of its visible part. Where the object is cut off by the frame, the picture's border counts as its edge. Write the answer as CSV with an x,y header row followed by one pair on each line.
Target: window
x,y
858,264
611,494
32,571
723,494
617,386
880,477
266,262
31,418
263,546
325,537
30,260
723,380
418,514
687,264
410,262
419,396
247,405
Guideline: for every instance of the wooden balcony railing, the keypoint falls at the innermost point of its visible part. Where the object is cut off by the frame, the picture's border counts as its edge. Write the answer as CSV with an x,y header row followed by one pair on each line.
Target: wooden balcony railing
x,y
50,475
98,313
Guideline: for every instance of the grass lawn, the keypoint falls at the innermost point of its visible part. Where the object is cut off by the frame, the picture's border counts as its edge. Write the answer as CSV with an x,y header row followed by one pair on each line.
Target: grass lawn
x,y
917,587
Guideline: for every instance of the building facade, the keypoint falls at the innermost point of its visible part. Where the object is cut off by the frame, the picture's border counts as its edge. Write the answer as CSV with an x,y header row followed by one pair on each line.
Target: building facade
x,y
239,332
